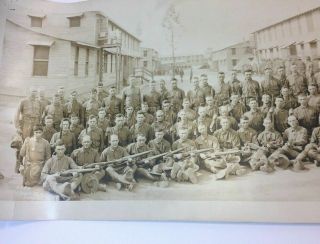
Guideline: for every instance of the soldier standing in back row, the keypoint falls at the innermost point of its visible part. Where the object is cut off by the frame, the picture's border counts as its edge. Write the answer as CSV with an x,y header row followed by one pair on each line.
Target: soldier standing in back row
x,y
223,96
28,114
270,85
235,84
153,98
133,93
176,96
56,111
112,103
206,89
297,82
250,88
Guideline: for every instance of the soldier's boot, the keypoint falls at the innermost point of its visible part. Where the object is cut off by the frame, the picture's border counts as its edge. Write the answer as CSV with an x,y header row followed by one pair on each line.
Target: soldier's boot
x,y
266,168
175,168
180,176
145,173
298,166
1,176
192,176
213,170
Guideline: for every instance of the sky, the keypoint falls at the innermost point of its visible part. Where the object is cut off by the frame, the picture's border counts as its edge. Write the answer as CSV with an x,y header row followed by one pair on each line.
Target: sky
x,y
204,24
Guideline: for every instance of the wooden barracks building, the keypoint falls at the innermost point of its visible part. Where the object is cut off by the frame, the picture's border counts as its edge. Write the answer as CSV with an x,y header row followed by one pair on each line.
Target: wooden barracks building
x,y
75,50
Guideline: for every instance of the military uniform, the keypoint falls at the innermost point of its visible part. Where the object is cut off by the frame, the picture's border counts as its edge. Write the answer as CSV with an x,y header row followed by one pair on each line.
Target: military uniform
x,y
170,117
101,95
103,124
148,118
97,137
236,87
271,86
74,107
289,102
91,107
189,125
164,95
297,84
28,115
207,90
130,120
112,105
312,149
270,137
255,120
48,133
265,108
188,145
124,134
224,94
144,129
83,156
68,139
196,97
76,130
191,114
153,99
307,117
314,101
251,89
212,110
113,153
237,110
228,139
176,97
133,148
248,135
56,111
44,102
35,154
134,94
209,141
280,117
159,146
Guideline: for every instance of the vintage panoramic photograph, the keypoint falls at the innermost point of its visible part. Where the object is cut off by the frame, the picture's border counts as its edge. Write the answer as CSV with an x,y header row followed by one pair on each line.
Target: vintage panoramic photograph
x,y
160,110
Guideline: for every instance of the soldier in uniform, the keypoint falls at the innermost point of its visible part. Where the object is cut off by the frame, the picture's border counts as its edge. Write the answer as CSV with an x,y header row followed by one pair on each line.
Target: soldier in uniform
x,y
306,115
101,93
141,127
212,109
161,124
86,154
191,114
282,76
311,151
61,93
314,96
159,144
250,88
225,90
255,116
184,141
206,89
133,93
112,103
270,85
148,116
44,102
28,114
48,129
309,70
164,93
224,113
207,141
176,96
280,115
92,105
130,116
246,134
235,84
295,138
153,98
35,152
196,95
266,104
66,136
75,126
288,100
203,118
122,131
95,133
236,108
269,141
183,123
297,82
103,122
56,111
50,176
227,137
169,115
74,107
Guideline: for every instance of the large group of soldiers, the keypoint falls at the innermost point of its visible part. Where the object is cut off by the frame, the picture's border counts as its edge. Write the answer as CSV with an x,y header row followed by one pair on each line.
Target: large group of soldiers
x,y
164,135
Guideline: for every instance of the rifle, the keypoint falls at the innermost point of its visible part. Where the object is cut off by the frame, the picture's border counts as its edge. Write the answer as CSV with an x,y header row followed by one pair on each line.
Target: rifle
x,y
164,155
70,171
228,152
119,161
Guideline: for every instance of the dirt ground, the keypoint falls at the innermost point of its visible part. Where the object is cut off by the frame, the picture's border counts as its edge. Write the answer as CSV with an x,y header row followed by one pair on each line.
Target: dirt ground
x,y
282,185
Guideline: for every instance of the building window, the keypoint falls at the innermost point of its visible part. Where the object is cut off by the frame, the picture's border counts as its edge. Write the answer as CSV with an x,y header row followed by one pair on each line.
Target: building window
x,y
145,64
145,53
36,21
87,62
313,45
76,61
40,60
75,21
233,51
234,62
310,24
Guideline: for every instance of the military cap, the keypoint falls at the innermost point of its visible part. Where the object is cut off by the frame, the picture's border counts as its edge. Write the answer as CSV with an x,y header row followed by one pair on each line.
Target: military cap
x,y
158,129
49,116
38,127
248,70
91,116
59,142
221,72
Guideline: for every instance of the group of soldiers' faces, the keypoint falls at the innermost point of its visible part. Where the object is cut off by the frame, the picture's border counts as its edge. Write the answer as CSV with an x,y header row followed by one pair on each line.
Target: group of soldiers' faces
x,y
221,77
86,142
159,116
247,75
114,141
140,118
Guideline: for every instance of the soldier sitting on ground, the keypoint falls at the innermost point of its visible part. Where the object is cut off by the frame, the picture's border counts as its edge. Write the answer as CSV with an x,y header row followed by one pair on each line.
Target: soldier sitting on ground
x,y
63,186
227,137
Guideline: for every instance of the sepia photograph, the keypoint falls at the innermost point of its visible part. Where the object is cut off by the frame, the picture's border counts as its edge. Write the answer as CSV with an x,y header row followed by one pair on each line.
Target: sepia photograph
x,y
204,110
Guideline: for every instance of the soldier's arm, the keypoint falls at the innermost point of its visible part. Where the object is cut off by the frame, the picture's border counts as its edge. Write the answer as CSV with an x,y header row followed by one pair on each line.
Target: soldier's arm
x,y
304,138
46,170
96,157
101,141
47,151
74,143
23,150
53,140
236,143
72,164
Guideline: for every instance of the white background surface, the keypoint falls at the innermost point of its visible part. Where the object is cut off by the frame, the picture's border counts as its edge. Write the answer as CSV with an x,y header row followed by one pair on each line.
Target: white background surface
x,y
154,232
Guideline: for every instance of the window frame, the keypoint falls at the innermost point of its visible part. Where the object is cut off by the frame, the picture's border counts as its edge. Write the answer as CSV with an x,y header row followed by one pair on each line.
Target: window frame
x,y
39,60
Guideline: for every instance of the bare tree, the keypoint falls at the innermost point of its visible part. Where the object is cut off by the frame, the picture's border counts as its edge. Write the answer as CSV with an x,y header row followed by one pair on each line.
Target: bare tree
x,y
171,23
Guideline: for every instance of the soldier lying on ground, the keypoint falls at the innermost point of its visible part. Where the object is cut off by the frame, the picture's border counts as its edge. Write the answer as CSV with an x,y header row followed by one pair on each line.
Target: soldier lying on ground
x,y
63,186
